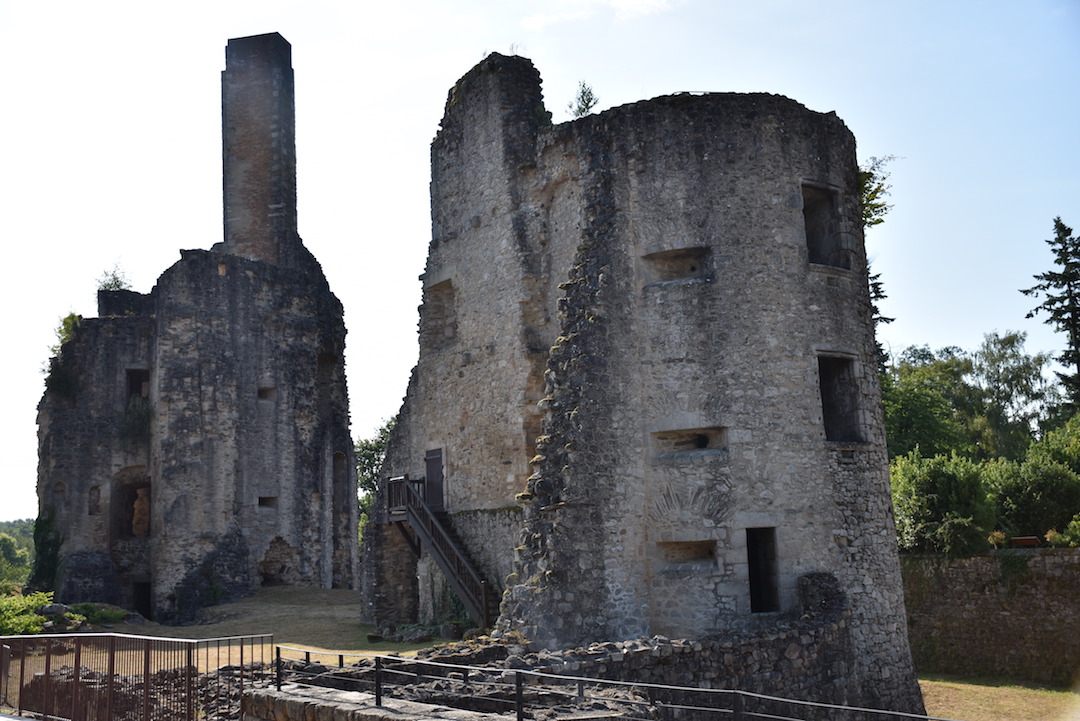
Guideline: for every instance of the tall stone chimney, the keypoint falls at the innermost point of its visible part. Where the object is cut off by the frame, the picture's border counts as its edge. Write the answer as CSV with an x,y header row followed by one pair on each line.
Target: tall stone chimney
x,y
258,128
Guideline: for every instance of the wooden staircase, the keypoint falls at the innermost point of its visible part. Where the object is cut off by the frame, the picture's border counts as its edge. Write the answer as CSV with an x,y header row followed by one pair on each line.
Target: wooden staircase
x,y
407,506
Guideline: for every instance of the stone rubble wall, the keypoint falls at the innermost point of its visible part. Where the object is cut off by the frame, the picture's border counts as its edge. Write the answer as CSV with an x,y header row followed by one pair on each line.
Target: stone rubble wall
x,y
1008,614
680,287
243,473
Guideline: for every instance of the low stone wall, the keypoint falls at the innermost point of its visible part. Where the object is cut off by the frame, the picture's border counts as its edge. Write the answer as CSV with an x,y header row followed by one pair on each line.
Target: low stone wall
x,y
1011,613
295,703
806,657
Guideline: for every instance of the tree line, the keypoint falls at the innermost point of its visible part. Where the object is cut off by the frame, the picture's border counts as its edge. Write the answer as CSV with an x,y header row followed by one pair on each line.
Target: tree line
x,y
985,445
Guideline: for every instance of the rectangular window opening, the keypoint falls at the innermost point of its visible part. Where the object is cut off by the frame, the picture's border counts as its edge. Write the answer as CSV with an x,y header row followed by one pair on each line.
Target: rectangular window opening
x,y
438,316
764,575
680,264
267,394
138,383
839,399
267,501
823,238
687,553
687,441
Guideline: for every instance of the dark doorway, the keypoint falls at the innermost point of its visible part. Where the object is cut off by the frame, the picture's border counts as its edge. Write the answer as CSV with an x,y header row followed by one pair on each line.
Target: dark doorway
x,y
142,599
433,484
764,578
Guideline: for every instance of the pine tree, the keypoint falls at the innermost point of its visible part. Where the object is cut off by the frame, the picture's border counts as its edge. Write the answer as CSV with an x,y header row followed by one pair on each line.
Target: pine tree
x,y
1060,290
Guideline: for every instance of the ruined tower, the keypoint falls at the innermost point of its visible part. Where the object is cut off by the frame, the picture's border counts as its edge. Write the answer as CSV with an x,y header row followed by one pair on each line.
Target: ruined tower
x,y
194,441
646,400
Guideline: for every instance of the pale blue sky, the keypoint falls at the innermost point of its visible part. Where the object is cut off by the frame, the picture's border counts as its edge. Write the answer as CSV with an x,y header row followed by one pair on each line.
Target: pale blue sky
x,y
112,122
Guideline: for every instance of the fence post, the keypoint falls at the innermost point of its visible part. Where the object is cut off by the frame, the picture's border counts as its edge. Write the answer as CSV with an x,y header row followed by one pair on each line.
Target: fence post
x,y
341,660
519,697
738,707
378,681
48,696
22,674
146,680
190,678
277,666
109,685
75,714
241,665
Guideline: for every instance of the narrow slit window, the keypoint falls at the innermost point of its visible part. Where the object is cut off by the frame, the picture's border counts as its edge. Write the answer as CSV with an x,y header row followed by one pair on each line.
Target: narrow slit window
x,y
764,575
686,441
268,502
839,399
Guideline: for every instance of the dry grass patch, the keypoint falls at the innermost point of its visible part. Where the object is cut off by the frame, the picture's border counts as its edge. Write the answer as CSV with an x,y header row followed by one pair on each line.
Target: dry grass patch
x,y
990,700
314,618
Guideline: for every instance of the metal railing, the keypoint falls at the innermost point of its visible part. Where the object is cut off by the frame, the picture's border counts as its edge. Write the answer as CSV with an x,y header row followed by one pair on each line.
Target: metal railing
x,y
524,692
405,502
118,677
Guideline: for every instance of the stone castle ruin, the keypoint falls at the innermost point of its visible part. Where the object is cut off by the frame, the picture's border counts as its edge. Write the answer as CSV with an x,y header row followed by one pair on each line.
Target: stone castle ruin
x,y
194,441
646,401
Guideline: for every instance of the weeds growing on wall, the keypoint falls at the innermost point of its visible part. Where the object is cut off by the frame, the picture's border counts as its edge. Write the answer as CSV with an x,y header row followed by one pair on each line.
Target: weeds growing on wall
x,y
47,559
135,426
1014,567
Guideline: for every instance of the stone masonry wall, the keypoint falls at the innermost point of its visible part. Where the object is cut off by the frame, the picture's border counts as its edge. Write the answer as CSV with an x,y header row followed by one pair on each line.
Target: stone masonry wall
x,y
1010,614
682,285
194,441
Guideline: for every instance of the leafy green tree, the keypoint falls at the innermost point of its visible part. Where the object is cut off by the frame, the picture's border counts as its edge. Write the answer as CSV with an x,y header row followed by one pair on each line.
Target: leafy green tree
x,y
15,562
874,187
1014,395
918,416
584,101
985,404
1059,290
928,401
370,453
941,505
1061,445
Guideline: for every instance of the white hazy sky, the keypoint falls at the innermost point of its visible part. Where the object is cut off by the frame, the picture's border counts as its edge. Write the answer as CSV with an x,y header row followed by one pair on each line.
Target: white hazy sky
x,y
111,125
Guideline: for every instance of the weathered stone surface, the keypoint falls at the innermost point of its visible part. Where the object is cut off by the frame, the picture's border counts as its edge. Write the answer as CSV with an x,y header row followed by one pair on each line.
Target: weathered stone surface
x,y
652,329
1010,614
201,446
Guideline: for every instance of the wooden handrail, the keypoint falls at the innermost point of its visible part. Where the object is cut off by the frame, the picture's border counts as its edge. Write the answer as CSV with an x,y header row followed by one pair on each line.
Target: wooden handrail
x,y
405,503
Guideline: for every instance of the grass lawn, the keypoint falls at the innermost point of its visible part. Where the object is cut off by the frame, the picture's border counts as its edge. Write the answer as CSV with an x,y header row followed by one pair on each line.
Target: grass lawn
x,y
996,700
328,620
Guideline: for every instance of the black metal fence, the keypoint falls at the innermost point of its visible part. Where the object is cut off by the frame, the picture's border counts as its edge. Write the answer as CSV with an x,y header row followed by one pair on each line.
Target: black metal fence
x,y
117,677
532,694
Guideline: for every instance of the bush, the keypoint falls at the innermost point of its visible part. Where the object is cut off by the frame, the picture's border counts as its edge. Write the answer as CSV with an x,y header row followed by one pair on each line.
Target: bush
x,y
1032,497
1061,446
940,504
98,614
1071,534
18,614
